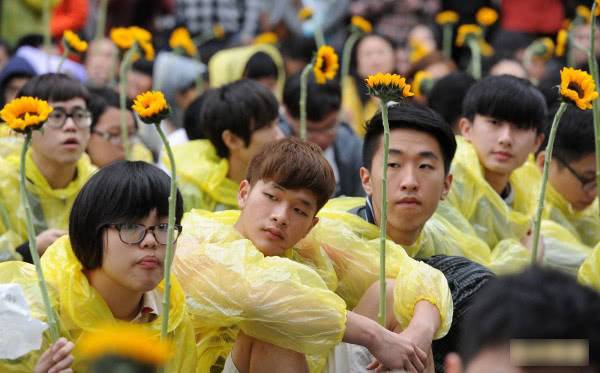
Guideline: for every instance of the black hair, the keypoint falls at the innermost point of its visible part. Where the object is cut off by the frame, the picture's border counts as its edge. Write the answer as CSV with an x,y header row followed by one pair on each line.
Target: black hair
x,y
30,40
574,135
539,303
101,99
489,63
506,98
298,48
260,65
447,95
409,115
321,99
121,192
191,119
241,107
143,66
55,87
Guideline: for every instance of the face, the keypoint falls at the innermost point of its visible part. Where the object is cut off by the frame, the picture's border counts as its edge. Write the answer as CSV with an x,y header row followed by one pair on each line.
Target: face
x,y
136,267
581,36
500,146
65,145
258,139
423,35
566,183
275,218
509,67
103,151
321,132
137,83
13,86
100,58
374,54
416,179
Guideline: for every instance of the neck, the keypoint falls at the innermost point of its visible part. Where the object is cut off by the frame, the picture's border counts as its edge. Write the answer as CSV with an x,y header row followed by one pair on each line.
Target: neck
x,y
237,169
57,175
123,303
497,181
399,236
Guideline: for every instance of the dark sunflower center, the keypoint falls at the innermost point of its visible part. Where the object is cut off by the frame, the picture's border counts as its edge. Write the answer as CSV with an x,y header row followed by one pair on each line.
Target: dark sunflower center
x,y
22,116
575,87
324,65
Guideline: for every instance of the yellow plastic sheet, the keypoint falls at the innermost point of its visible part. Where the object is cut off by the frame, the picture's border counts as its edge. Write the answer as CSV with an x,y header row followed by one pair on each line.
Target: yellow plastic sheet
x,y
202,177
589,272
358,111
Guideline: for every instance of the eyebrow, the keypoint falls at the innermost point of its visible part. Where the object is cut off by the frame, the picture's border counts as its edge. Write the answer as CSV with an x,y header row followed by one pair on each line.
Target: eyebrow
x,y
302,200
423,154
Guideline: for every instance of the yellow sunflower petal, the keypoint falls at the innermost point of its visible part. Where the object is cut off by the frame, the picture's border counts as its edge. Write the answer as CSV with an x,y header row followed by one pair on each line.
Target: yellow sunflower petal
x,y
305,13
180,38
486,16
73,42
266,38
446,17
467,31
578,87
361,24
326,64
122,37
151,106
25,113
388,87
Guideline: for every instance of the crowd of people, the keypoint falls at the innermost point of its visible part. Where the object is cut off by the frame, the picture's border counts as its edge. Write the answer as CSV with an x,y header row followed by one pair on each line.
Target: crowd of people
x,y
278,250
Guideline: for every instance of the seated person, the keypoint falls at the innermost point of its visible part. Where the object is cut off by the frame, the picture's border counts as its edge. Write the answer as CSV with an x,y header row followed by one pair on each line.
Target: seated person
x,y
110,267
257,279
338,141
237,119
56,169
536,321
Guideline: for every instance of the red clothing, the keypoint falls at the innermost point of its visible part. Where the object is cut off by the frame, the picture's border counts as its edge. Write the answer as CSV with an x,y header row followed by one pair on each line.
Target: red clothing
x,y
68,15
532,16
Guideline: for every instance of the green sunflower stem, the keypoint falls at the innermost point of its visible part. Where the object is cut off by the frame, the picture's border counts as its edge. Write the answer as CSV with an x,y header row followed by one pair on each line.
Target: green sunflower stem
x,y
542,195
51,318
63,57
346,55
383,223
303,89
124,68
46,22
569,47
101,25
593,67
319,36
475,58
170,236
447,39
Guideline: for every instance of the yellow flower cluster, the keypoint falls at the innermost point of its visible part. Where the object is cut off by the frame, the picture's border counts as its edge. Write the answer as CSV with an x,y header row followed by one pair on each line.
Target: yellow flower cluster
x,y
125,37
25,113
584,13
561,42
361,24
446,17
125,340
388,87
486,16
180,38
266,38
420,81
578,87
151,107
326,64
305,13
467,31
73,42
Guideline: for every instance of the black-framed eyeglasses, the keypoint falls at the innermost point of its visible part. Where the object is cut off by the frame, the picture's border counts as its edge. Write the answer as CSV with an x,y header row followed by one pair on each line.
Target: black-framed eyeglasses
x,y
115,139
58,117
587,183
133,234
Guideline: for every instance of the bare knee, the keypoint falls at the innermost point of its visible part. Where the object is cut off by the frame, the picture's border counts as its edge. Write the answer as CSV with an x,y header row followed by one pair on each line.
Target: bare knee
x,y
255,356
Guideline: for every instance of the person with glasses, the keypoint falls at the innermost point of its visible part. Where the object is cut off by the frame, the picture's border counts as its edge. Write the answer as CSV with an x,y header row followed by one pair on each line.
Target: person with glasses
x,y
56,169
106,145
572,225
110,267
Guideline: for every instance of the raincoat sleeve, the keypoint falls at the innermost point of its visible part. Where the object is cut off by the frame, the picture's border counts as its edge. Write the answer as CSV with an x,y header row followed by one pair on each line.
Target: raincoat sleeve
x,y
230,284
562,250
589,272
356,263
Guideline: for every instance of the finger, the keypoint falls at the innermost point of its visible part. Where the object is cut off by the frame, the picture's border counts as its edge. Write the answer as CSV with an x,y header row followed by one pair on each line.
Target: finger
x,y
421,354
45,362
69,370
63,352
63,364
416,362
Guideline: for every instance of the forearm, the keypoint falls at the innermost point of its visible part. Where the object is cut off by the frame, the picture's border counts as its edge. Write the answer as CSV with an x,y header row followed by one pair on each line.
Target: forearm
x,y
426,320
361,330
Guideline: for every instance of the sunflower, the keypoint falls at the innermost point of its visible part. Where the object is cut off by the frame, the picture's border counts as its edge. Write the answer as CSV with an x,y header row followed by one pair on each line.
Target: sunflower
x,y
548,46
584,13
417,51
151,107
218,31
388,87
486,16
421,82
561,42
180,38
140,34
73,42
597,13
578,87
148,49
326,64
122,37
266,38
25,113
361,24
486,49
305,13
465,32
446,17
124,340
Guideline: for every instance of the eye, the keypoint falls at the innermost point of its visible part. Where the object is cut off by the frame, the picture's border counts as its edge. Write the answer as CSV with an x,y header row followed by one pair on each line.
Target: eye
x,y
57,115
162,227
301,212
494,122
393,165
269,196
426,166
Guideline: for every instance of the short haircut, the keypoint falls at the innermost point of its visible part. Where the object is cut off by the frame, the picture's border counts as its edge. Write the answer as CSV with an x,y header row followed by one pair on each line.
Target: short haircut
x,y
539,303
121,192
143,66
101,99
506,98
447,95
54,87
321,99
574,136
241,107
260,65
191,119
409,115
294,164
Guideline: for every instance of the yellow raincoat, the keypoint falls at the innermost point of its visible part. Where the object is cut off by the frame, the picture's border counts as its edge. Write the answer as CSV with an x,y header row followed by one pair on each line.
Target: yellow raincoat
x,y
139,152
202,177
10,141
589,272
225,276
358,112
228,65
80,308
50,207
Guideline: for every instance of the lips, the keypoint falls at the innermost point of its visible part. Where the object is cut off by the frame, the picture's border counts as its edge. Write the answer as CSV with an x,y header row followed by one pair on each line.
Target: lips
x,y
502,156
71,142
149,262
274,233
409,201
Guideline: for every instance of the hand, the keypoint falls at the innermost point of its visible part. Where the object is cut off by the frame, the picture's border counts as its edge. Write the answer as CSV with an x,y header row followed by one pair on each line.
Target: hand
x,y
57,358
47,238
396,351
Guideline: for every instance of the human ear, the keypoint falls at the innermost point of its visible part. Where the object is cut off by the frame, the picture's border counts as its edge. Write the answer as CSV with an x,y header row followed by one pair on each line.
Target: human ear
x,y
465,126
232,141
539,139
243,193
365,179
447,185
540,159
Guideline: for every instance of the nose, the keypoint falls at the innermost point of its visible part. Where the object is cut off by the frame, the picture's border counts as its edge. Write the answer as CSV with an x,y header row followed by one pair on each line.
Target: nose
x,y
149,241
505,134
279,215
409,182
69,125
